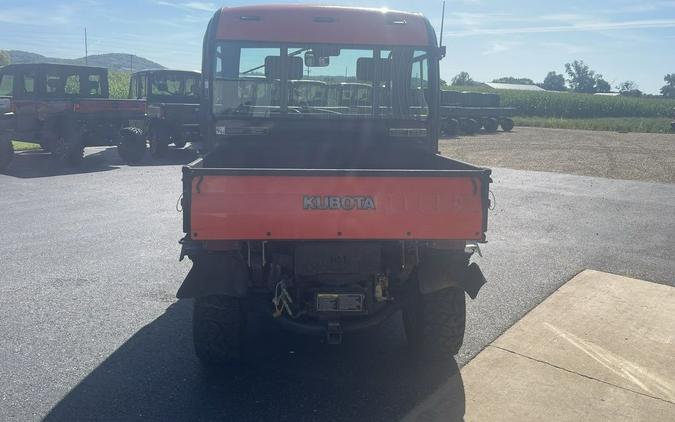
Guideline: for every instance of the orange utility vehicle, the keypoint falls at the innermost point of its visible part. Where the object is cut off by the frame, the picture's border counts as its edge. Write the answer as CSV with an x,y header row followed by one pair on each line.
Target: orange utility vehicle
x,y
328,217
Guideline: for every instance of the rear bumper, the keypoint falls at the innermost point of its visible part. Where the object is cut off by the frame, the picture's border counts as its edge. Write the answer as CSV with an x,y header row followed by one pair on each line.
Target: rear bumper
x,y
323,328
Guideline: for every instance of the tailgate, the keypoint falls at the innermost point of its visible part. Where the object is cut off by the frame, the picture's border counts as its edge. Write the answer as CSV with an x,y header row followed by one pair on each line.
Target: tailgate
x,y
289,204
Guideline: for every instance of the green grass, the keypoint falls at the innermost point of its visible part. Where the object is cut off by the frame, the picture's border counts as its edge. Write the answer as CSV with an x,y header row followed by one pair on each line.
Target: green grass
x,y
614,124
24,146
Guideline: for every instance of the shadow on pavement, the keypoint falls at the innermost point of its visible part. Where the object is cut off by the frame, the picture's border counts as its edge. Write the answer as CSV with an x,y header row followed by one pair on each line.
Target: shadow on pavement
x,y
38,163
155,376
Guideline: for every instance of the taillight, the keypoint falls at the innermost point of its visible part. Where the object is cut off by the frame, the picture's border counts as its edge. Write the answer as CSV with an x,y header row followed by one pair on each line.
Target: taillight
x,y
76,107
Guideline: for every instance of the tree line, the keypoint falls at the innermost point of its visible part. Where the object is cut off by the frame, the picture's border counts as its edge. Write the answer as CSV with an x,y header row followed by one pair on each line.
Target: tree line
x,y
578,77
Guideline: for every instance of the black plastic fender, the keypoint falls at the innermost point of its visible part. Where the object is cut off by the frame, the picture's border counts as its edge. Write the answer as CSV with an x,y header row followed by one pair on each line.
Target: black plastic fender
x,y
440,269
216,274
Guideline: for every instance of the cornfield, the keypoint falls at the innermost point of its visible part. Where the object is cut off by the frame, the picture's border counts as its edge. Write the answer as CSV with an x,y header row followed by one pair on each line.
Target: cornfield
x,y
119,84
569,105
572,105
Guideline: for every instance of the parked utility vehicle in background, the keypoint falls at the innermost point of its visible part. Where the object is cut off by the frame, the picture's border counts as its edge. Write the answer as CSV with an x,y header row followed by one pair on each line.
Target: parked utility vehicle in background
x,y
468,112
6,131
66,108
350,94
173,106
328,218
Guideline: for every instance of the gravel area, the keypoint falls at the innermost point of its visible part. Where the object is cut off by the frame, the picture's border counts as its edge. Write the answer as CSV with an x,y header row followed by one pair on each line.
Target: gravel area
x,y
631,156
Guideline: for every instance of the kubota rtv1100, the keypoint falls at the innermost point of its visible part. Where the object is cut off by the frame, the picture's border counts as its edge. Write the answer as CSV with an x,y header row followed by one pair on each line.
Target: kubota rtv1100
x,y
328,215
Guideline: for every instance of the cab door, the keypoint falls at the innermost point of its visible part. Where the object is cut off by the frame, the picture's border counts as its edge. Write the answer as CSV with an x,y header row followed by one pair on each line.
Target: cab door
x,y
25,104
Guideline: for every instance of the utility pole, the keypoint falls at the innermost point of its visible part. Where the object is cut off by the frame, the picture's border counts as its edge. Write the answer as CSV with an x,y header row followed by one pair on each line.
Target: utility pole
x,y
86,49
131,60
440,40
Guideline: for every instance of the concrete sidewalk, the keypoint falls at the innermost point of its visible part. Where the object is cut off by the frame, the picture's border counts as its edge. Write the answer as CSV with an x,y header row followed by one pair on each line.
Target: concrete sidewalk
x,y
600,348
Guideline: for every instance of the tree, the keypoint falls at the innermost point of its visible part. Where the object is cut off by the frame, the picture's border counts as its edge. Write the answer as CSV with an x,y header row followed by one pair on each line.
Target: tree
x,y
444,85
602,85
4,58
462,79
668,90
554,82
512,80
581,77
629,89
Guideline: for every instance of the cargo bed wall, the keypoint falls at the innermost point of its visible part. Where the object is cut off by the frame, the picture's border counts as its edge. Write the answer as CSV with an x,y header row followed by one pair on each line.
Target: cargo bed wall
x,y
326,155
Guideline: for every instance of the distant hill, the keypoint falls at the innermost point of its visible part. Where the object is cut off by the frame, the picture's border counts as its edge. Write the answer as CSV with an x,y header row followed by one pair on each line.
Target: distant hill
x,y
113,61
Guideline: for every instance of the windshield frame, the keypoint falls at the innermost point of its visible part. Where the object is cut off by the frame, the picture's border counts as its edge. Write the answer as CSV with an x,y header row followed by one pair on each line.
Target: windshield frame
x,y
288,48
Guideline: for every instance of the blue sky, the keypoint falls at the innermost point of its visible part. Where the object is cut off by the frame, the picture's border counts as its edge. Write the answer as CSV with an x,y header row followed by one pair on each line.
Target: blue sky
x,y
621,39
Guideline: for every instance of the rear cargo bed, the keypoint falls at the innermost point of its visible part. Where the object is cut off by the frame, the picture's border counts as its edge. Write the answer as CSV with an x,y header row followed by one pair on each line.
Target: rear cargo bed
x,y
342,195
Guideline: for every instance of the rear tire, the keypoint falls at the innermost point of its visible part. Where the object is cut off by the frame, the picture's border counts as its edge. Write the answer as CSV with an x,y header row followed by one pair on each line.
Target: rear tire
x,y
68,149
450,127
470,126
435,323
491,125
159,142
132,145
6,152
218,323
507,125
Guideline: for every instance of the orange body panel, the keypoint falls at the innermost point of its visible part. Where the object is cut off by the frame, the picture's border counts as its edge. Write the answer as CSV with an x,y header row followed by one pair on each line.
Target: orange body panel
x,y
270,207
346,25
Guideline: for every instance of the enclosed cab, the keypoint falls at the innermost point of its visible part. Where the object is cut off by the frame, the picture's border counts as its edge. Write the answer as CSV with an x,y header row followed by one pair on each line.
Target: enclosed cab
x,y
65,108
350,94
328,217
307,93
173,106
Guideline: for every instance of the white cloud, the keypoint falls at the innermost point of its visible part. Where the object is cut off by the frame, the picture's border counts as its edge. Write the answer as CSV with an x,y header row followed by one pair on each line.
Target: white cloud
x,y
193,5
199,5
564,47
499,47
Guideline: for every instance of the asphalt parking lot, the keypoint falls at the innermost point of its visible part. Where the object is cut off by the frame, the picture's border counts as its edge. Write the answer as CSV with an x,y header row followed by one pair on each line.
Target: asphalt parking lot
x,y
91,329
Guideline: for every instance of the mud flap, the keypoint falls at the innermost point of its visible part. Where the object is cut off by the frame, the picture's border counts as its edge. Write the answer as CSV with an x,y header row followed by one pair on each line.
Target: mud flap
x,y
439,270
216,274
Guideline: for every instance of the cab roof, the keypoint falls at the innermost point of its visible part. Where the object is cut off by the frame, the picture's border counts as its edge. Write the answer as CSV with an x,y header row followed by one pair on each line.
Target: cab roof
x,y
324,25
